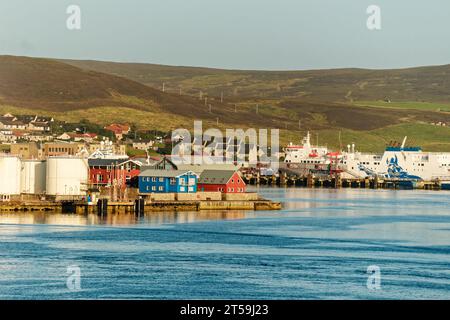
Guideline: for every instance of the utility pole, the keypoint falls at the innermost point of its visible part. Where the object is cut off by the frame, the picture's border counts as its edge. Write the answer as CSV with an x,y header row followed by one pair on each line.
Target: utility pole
x,y
206,101
235,107
221,97
210,108
299,124
164,87
257,108
217,121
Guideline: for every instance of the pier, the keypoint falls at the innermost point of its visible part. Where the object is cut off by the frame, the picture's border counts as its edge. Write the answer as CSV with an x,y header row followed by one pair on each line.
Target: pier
x,y
137,207
336,181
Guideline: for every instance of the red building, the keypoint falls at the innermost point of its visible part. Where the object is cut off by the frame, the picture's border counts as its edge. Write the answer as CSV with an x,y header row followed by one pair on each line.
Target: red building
x,y
119,130
121,172
225,181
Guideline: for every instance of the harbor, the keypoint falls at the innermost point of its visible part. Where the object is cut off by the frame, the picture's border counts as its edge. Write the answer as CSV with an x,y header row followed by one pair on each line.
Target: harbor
x,y
314,166
335,181
102,178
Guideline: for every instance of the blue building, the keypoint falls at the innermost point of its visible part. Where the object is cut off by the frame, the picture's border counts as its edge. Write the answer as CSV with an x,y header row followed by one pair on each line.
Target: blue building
x,y
167,181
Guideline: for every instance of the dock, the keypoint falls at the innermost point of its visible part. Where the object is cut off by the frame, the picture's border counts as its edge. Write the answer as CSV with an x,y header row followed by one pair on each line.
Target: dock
x,y
335,181
138,206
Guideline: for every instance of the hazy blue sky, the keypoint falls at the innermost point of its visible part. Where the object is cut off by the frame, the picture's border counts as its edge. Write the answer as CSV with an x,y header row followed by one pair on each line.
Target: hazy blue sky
x,y
244,34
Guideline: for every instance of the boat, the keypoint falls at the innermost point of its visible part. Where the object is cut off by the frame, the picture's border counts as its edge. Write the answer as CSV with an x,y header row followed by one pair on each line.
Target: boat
x,y
306,153
399,162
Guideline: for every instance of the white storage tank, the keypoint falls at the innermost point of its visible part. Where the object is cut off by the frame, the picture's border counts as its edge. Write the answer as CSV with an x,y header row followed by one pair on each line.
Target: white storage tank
x,y
33,176
10,175
67,176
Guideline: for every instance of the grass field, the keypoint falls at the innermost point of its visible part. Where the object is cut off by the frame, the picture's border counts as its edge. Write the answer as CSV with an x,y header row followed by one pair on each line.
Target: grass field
x,y
425,106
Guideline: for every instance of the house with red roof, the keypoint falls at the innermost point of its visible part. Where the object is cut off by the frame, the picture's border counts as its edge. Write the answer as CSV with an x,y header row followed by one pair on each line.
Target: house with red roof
x,y
119,130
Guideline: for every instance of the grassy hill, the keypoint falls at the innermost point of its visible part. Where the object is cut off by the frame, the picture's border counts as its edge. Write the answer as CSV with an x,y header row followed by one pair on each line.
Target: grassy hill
x,y
331,103
424,84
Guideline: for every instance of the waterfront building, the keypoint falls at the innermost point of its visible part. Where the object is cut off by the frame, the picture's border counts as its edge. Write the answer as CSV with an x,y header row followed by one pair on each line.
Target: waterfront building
x,y
167,181
225,181
103,172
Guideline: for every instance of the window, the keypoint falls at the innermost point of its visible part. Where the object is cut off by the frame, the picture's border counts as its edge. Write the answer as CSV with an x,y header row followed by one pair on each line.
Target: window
x,y
153,179
161,188
173,181
153,188
182,181
161,179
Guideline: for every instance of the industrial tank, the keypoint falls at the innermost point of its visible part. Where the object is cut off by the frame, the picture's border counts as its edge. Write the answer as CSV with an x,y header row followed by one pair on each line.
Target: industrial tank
x,y
33,176
10,175
67,176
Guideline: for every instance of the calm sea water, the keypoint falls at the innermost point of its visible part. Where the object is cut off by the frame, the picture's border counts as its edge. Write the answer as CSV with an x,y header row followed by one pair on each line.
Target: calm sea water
x,y
318,247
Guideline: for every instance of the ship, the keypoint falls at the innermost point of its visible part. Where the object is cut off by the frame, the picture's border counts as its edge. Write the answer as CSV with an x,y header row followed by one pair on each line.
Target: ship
x,y
306,153
399,161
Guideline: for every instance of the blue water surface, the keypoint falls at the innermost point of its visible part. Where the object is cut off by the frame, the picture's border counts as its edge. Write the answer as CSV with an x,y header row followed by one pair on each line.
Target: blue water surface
x,y
318,247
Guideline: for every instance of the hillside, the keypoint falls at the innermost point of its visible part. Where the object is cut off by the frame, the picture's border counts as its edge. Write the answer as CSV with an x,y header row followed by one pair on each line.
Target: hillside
x,y
429,84
55,86
294,102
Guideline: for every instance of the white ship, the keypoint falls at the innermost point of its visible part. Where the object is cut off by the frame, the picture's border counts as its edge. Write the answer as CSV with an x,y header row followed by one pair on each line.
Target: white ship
x,y
306,153
399,162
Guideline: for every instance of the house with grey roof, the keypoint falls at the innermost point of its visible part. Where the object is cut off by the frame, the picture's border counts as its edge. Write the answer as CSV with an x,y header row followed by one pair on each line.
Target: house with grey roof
x,y
225,181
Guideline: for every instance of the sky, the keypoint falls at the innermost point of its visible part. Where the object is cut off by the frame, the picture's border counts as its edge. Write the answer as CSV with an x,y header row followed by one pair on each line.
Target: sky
x,y
232,34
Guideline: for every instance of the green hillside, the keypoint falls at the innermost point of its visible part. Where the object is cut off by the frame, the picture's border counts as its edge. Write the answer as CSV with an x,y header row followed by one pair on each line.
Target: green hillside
x,y
347,103
424,84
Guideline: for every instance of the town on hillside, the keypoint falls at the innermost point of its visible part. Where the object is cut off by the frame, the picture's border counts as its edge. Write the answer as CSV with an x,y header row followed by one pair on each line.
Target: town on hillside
x,y
42,158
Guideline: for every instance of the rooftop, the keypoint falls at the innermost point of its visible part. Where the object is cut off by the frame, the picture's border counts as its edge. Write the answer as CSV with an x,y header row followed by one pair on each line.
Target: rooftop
x,y
164,173
216,176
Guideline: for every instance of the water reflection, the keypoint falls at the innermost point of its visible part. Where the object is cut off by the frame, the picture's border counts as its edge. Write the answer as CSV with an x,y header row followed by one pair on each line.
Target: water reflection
x,y
154,218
